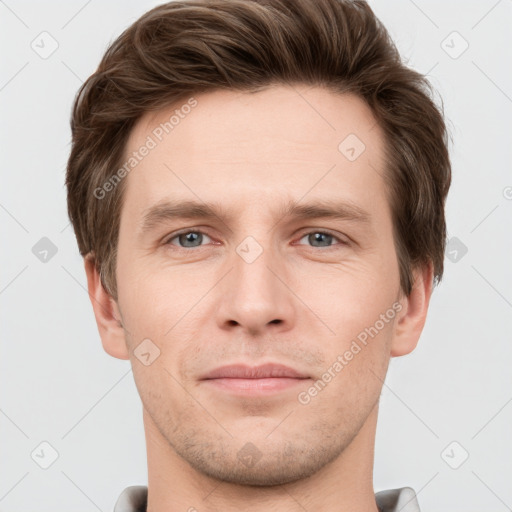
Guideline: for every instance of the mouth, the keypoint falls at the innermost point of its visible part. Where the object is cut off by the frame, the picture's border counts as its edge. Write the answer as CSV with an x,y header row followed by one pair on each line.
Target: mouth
x,y
254,380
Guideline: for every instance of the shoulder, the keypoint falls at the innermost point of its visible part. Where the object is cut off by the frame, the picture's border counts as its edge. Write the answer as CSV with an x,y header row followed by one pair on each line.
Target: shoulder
x,y
402,499
132,499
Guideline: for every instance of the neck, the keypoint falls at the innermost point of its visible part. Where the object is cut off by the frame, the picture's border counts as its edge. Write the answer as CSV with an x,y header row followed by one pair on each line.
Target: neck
x,y
343,485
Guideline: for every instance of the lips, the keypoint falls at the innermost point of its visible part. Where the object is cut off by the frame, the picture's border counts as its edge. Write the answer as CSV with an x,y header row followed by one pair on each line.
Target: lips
x,y
242,380
265,371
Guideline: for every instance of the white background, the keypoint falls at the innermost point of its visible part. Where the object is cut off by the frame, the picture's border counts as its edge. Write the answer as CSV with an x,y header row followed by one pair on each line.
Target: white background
x,y
58,385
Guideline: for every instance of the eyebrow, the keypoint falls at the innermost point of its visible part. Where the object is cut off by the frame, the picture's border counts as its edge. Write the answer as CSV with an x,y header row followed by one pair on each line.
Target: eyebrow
x,y
168,210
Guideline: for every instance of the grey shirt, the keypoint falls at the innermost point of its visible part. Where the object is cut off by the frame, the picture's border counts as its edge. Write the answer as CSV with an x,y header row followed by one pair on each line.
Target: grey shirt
x,y
134,499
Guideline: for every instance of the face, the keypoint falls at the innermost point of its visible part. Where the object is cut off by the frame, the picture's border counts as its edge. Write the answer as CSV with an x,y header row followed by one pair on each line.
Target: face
x,y
286,259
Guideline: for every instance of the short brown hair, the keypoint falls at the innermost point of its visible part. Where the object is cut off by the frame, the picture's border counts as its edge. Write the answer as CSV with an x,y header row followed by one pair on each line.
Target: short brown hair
x,y
192,46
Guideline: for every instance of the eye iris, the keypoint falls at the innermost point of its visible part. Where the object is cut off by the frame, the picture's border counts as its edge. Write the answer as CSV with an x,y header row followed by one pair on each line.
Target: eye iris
x,y
191,237
323,238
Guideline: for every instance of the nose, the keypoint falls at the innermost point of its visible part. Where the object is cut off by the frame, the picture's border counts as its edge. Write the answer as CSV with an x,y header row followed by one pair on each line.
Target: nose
x,y
255,296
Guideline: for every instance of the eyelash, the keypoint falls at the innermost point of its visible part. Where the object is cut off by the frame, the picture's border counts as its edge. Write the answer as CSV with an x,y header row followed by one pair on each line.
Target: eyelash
x,y
315,231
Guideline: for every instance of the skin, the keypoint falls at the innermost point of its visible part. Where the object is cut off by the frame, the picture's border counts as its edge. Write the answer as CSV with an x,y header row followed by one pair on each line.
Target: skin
x,y
300,303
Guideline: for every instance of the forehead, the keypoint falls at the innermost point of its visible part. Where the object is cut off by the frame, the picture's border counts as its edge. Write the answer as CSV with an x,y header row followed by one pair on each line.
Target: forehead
x,y
245,147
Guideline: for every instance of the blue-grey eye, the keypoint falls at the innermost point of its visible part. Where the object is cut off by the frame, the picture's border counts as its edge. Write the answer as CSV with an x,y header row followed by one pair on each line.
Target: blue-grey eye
x,y
320,239
189,239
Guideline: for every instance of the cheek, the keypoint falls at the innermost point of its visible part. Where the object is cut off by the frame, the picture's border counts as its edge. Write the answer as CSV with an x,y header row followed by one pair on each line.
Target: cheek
x,y
356,361
349,298
161,394
153,299
357,307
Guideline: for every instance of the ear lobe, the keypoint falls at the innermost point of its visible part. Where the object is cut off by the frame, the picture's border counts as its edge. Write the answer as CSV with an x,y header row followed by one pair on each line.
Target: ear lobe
x,y
106,312
409,323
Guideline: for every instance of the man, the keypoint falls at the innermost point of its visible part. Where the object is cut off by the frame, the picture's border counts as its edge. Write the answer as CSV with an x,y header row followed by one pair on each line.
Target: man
x,y
258,188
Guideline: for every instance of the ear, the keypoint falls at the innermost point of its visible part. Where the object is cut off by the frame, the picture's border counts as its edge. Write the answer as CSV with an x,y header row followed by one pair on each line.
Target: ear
x,y
411,319
106,311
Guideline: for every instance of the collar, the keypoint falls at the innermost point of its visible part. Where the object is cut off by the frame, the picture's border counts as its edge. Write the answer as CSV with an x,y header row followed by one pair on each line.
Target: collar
x,y
134,499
